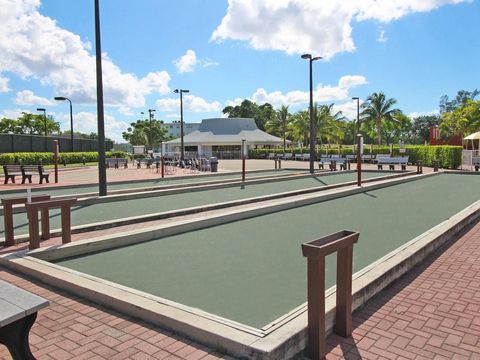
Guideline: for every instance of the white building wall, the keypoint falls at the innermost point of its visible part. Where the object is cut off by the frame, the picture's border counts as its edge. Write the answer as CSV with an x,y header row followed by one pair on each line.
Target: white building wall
x,y
173,128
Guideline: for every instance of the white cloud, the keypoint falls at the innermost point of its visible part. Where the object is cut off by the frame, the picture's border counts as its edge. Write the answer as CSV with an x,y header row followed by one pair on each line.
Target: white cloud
x,y
190,102
322,93
27,97
86,122
382,37
4,84
34,46
13,113
207,62
318,27
187,62
416,114
172,116
348,109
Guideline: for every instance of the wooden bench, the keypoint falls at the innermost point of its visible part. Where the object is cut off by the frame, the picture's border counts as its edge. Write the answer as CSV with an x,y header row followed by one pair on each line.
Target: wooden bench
x,y
10,171
18,311
476,163
392,161
29,170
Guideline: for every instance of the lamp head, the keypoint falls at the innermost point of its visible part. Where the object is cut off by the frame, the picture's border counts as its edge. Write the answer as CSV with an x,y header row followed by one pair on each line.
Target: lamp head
x,y
317,58
41,109
355,98
306,56
185,91
60,98
175,91
151,110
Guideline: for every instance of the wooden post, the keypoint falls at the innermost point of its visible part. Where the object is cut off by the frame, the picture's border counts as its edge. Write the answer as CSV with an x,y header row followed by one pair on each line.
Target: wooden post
x,y
315,251
66,224
163,166
55,159
33,228
8,214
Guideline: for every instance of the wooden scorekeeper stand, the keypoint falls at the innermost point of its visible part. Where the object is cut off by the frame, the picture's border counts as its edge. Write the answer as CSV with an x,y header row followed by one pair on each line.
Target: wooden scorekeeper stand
x,y
8,215
315,251
45,206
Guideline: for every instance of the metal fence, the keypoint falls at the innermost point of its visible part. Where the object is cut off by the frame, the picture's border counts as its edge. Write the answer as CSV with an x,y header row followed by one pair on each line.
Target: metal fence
x,y
10,143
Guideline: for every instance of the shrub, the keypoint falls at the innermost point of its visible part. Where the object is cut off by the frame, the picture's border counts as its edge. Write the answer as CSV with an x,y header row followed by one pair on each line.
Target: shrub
x,y
46,158
449,157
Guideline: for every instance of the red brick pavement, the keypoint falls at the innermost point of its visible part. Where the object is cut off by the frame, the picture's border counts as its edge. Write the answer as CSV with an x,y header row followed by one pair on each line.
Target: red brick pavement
x,y
431,313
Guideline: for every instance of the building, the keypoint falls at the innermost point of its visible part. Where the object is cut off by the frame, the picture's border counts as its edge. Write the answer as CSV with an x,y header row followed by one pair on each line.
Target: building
x,y
222,137
173,128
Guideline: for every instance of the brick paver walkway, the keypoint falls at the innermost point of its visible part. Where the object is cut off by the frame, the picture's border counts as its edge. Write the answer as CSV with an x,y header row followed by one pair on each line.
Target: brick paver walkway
x,y
431,313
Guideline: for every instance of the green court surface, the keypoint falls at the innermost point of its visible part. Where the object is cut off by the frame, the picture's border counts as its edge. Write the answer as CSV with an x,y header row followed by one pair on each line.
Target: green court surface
x,y
252,271
86,214
93,188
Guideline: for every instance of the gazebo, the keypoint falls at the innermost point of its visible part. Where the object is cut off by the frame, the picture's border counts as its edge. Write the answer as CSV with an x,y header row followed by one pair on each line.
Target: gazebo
x,y
222,137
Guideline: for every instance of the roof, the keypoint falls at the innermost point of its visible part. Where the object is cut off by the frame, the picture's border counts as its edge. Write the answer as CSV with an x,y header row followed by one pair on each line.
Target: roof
x,y
220,131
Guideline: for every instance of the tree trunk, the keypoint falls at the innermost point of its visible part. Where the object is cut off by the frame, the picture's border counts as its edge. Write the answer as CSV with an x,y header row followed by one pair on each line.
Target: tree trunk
x,y
379,131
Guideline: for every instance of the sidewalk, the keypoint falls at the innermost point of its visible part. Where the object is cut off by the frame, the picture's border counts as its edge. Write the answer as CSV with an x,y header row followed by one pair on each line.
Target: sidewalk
x,y
432,312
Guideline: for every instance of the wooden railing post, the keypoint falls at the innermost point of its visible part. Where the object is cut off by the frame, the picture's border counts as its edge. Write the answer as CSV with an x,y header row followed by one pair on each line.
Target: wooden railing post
x,y
315,251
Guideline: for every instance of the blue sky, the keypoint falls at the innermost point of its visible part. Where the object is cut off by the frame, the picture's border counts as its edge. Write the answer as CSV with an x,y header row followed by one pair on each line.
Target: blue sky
x,y
226,51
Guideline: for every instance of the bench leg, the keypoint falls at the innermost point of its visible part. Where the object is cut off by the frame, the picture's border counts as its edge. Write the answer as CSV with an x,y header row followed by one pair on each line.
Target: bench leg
x,y
392,167
477,167
15,337
380,167
404,167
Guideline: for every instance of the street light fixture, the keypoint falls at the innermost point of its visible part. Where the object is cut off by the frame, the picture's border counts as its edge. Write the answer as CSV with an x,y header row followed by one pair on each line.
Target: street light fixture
x,y
150,119
181,91
44,119
62,98
312,124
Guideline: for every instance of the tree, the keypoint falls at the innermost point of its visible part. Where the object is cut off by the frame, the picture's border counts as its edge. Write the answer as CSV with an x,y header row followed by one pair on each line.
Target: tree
x,y
378,110
420,131
400,129
299,128
145,132
461,99
328,124
462,120
29,124
248,109
278,125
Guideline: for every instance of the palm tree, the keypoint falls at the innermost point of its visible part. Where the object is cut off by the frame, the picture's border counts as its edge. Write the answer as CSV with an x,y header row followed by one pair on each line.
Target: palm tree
x,y
378,109
328,124
299,127
283,116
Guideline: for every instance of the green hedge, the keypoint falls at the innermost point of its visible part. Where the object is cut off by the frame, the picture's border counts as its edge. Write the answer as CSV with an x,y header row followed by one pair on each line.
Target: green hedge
x,y
449,157
46,158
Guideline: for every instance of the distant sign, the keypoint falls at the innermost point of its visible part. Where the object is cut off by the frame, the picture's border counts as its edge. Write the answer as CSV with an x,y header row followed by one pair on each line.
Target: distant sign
x,y
139,149
402,147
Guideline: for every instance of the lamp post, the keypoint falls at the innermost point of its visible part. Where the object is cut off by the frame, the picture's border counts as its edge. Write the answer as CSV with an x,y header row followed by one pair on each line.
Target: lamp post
x,y
358,119
150,119
312,124
44,124
102,168
181,91
62,98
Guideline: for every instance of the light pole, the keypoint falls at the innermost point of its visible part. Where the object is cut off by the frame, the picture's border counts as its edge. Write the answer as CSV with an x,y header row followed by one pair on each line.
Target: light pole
x,y
312,124
150,119
358,119
45,125
62,98
181,91
102,168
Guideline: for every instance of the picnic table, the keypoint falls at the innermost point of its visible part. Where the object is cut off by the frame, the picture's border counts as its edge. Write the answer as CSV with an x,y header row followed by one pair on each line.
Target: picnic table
x,y
18,311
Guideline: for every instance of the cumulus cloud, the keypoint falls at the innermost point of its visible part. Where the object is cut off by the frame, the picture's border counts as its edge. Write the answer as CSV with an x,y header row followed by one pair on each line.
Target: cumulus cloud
x,y
190,102
27,97
86,122
322,93
34,46
187,62
319,27
4,84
